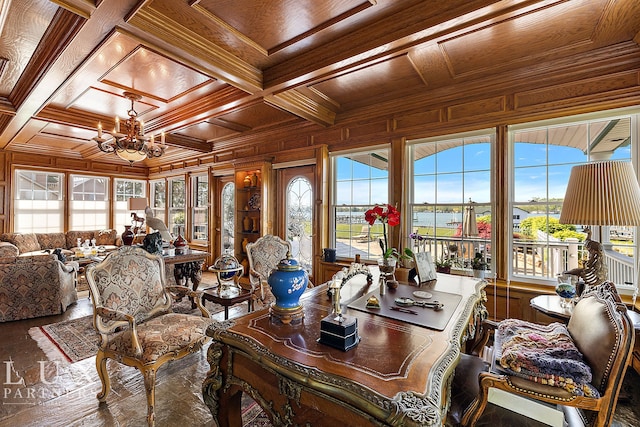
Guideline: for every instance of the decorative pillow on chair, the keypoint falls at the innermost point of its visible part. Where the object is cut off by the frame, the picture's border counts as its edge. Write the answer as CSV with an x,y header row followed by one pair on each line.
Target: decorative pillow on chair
x,y
545,354
27,242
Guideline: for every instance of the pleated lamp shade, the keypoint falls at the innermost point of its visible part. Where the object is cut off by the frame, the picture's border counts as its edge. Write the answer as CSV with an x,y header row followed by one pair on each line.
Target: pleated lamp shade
x,y
602,193
137,203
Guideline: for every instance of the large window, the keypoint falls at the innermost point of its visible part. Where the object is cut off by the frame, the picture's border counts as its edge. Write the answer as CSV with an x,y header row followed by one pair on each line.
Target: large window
x,y
200,212
38,202
158,202
543,155
450,200
361,181
124,190
177,206
89,204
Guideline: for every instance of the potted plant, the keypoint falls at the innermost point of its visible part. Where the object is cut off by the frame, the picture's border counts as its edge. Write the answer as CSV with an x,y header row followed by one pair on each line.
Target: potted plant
x,y
443,265
479,265
405,266
386,214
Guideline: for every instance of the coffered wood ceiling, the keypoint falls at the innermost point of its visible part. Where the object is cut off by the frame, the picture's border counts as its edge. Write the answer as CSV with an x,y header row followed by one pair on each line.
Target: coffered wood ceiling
x,y
211,71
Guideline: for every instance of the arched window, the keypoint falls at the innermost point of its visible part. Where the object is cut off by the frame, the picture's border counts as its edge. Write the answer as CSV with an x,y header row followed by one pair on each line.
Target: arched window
x,y
299,220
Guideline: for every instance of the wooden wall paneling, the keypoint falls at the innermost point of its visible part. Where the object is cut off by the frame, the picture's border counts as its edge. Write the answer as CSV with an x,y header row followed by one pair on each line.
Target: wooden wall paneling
x,y
321,206
501,227
5,176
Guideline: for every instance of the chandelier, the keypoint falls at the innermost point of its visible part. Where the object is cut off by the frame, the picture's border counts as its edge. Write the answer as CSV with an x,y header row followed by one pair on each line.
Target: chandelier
x,y
132,145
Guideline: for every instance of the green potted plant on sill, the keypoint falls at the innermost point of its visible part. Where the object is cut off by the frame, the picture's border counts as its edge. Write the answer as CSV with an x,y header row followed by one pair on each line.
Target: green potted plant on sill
x,y
405,266
479,265
443,265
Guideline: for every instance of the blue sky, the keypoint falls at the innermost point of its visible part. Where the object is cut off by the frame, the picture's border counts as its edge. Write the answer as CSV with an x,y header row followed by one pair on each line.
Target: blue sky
x,y
443,171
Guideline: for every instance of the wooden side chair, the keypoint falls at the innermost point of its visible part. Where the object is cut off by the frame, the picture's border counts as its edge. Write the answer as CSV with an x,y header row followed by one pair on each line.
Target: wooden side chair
x,y
132,313
599,328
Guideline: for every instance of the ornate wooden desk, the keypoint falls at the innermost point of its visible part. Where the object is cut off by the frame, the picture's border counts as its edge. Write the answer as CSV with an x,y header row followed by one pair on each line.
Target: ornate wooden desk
x,y
399,374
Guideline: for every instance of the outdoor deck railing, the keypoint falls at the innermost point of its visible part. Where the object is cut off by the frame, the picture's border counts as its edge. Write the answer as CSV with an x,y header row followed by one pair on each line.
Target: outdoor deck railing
x,y
536,259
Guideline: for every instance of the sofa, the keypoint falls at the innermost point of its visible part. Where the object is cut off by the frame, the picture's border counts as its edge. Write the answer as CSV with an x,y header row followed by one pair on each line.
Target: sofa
x,y
29,244
34,285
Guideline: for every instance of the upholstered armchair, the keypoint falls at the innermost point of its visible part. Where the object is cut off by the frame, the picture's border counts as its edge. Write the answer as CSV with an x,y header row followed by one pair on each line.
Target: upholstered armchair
x,y
591,353
132,314
34,286
264,255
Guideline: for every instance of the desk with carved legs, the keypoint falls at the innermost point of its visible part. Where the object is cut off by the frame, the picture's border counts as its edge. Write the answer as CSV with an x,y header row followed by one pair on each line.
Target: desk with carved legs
x,y
399,373
187,266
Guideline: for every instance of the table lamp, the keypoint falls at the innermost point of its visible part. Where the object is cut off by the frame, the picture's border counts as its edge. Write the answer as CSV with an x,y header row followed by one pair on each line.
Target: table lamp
x,y
600,194
136,204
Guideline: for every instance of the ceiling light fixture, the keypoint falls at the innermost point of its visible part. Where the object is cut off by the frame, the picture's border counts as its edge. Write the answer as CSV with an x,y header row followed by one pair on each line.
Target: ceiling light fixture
x,y
132,145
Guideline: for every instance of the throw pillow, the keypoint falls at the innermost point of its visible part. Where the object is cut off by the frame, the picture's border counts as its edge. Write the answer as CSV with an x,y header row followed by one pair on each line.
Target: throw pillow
x,y
545,354
52,240
27,242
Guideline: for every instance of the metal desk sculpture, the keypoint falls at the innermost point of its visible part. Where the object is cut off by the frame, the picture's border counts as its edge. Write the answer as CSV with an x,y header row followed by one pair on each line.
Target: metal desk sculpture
x,y
338,330
594,271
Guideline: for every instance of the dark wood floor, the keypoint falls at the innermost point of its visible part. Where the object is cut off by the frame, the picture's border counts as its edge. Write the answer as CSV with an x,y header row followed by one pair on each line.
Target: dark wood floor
x,y
70,397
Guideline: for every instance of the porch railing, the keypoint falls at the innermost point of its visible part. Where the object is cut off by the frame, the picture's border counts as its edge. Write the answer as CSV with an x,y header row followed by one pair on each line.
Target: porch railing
x,y
530,258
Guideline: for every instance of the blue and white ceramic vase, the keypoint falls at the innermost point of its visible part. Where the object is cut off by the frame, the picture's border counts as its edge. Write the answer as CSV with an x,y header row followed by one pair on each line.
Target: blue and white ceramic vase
x,y
288,282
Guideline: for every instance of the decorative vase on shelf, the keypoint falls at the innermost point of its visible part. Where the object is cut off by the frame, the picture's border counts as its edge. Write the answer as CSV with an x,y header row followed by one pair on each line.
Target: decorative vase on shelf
x,y
246,224
254,180
256,225
127,235
247,181
245,264
245,242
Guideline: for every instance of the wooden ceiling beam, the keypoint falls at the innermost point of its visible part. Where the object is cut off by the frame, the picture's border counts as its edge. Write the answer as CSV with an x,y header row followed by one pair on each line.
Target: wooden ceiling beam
x,y
189,143
390,36
224,65
65,45
296,103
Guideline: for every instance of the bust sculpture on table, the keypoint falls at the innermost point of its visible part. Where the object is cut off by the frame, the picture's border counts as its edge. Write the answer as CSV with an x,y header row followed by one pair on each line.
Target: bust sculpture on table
x,y
594,271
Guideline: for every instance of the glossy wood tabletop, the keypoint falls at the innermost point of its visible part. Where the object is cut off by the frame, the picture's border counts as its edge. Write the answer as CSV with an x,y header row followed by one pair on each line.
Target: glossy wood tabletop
x,y
396,374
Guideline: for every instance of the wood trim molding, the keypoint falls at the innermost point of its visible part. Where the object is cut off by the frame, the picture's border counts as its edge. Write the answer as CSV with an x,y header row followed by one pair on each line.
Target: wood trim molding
x,y
301,105
62,30
226,67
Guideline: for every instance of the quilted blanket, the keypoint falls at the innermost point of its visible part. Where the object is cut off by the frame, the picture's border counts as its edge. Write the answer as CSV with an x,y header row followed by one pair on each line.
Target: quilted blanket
x,y
545,354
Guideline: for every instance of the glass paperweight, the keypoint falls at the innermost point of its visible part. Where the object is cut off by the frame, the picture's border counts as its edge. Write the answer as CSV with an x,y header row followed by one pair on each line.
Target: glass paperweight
x,y
567,292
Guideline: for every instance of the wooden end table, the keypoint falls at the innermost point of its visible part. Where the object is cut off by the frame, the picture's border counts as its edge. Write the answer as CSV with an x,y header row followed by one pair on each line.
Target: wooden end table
x,y
227,296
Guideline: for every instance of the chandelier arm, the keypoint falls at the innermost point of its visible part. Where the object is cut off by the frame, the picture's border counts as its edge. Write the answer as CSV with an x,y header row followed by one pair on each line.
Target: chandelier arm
x,y
105,146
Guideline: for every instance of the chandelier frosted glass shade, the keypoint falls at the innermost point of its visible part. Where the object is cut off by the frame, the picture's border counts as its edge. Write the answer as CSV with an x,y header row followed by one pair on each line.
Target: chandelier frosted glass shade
x,y
131,145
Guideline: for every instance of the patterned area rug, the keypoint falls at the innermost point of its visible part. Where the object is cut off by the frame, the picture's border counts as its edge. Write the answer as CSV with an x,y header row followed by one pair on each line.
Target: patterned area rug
x,y
75,339
628,409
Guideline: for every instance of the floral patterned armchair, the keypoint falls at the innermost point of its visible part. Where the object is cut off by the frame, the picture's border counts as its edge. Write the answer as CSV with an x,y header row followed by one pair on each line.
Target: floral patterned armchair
x,y
264,255
34,286
132,314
